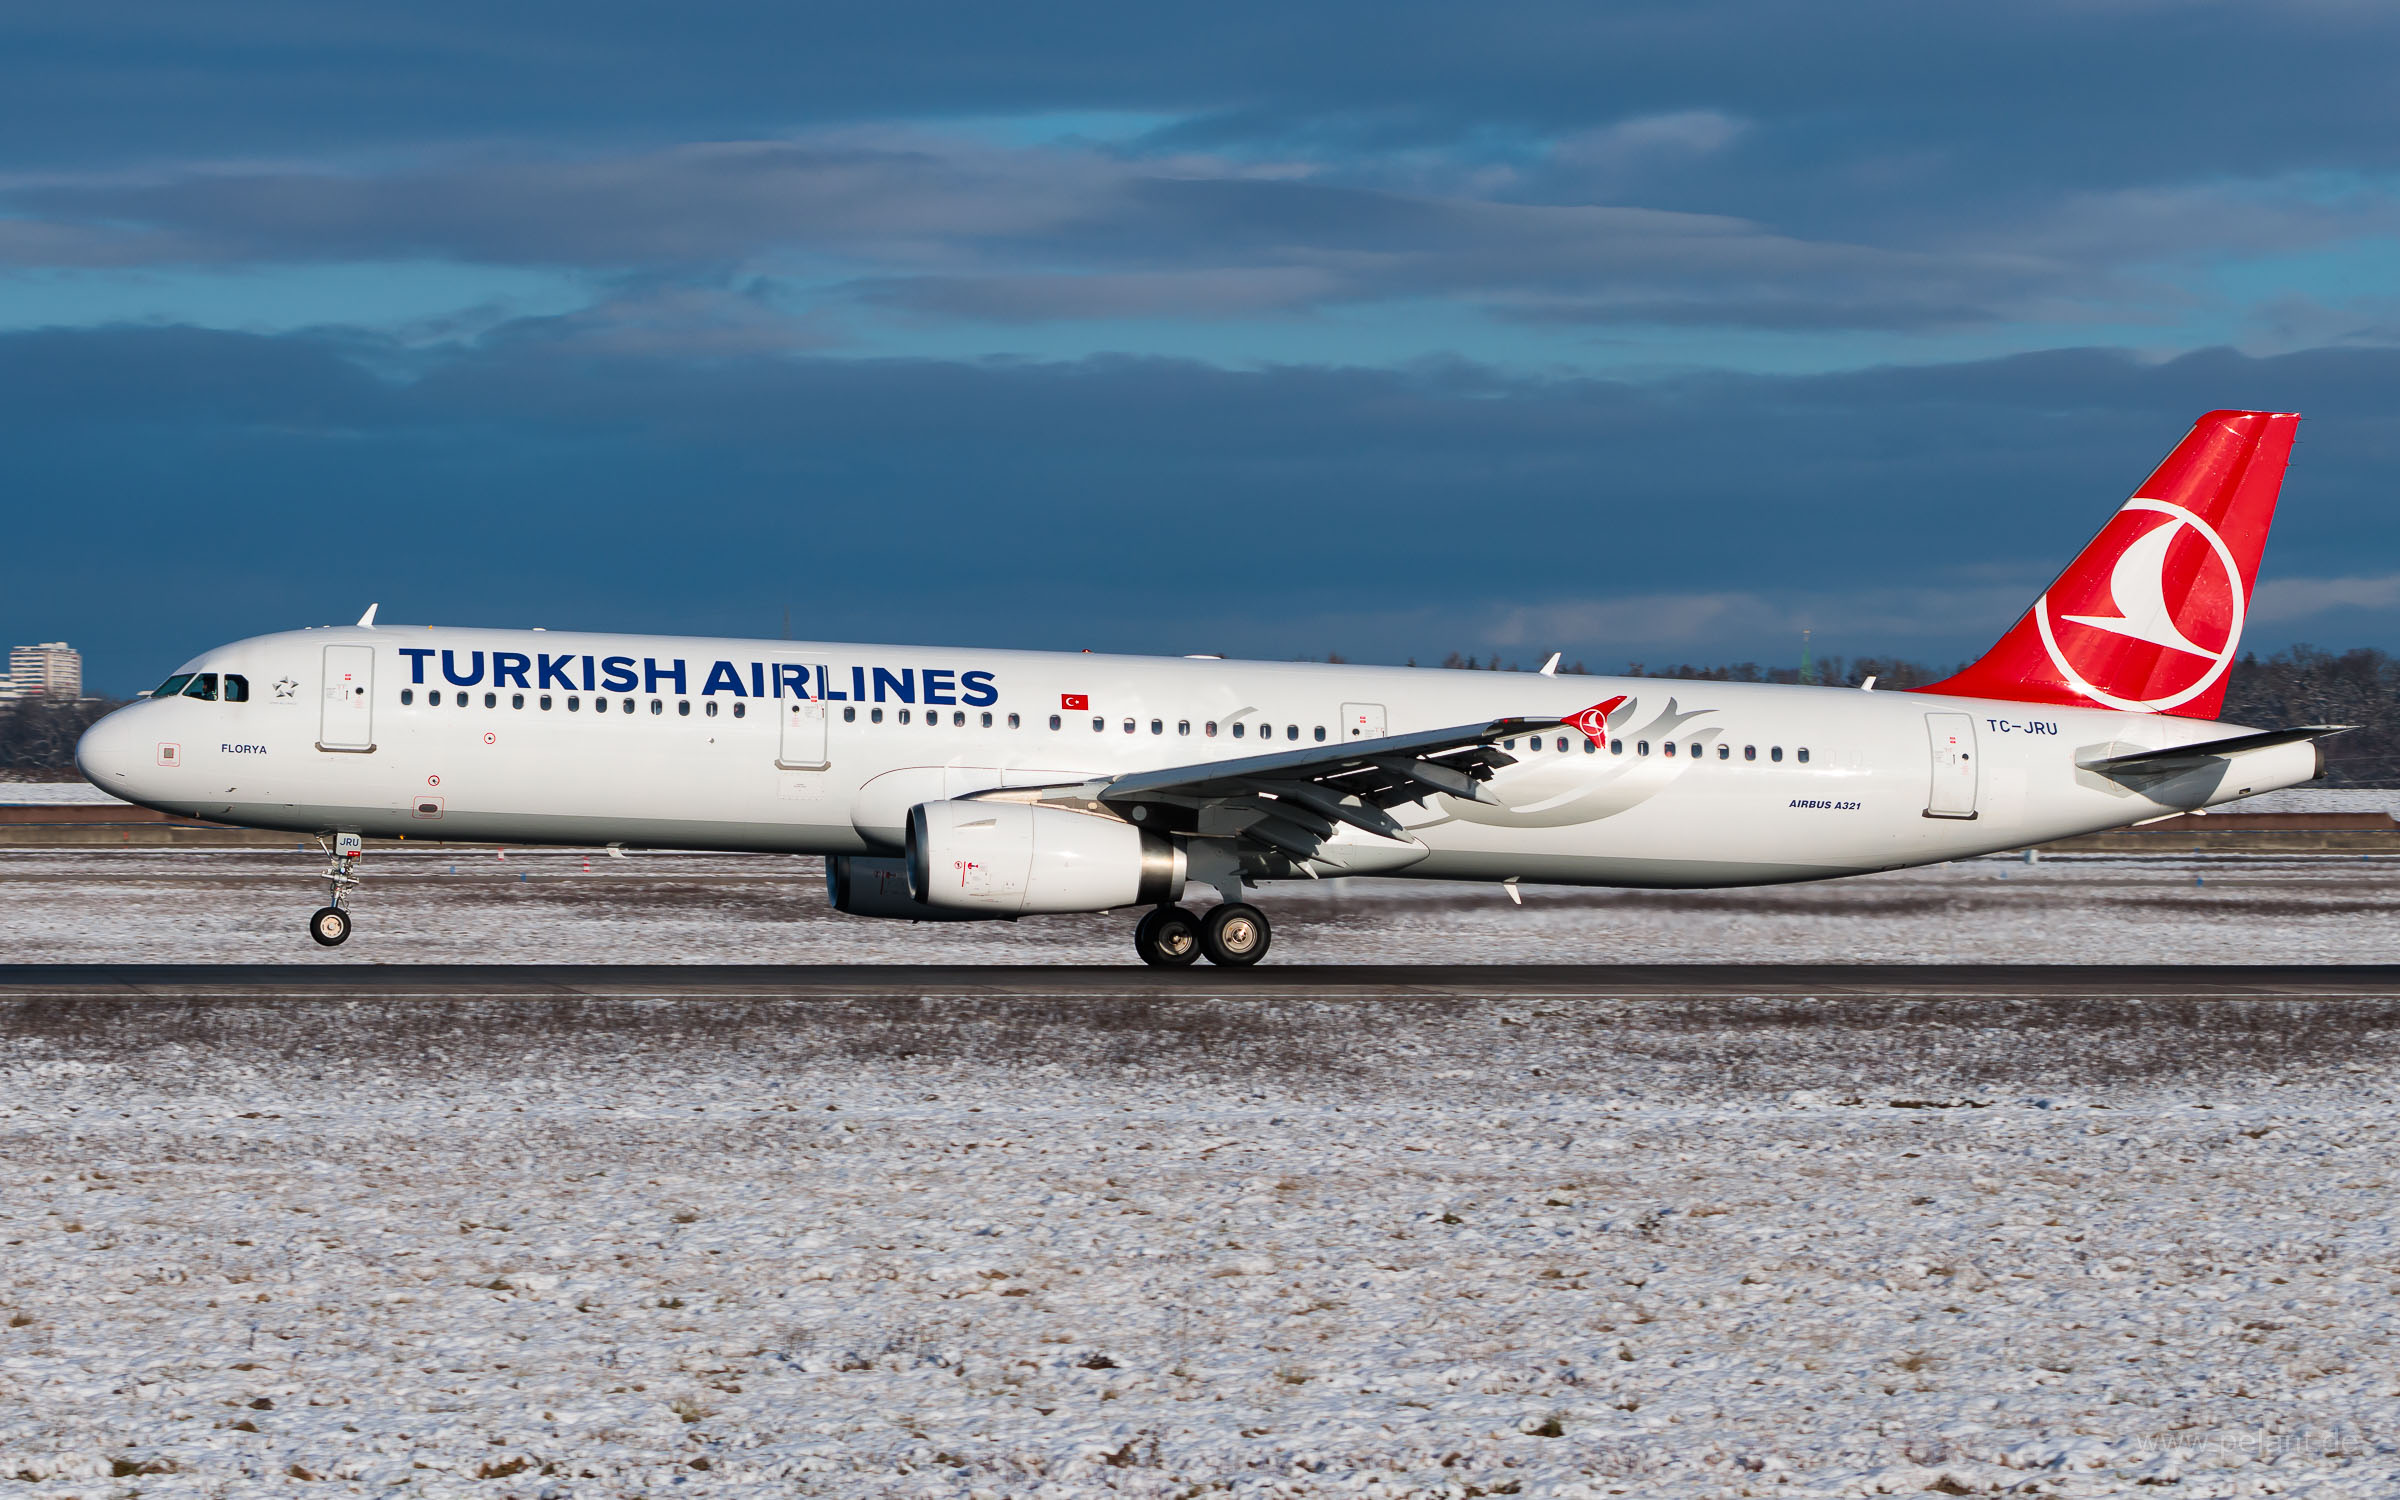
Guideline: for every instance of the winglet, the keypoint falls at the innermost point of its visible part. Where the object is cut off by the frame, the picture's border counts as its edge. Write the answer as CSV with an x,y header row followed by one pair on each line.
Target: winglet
x,y
1593,721
1550,667
367,620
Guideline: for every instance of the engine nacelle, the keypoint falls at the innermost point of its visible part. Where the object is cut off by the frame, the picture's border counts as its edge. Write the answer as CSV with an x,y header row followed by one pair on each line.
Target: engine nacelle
x,y
1008,858
865,886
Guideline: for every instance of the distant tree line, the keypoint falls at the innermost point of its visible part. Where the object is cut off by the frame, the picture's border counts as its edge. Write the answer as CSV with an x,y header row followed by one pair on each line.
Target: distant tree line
x,y
38,735
2302,685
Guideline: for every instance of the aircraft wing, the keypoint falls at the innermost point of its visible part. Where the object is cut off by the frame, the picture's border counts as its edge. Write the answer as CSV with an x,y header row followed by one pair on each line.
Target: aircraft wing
x,y
1289,801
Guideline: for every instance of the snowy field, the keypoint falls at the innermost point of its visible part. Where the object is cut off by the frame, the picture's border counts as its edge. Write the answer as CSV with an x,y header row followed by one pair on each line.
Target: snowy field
x,y
1197,1248
249,905
1654,1249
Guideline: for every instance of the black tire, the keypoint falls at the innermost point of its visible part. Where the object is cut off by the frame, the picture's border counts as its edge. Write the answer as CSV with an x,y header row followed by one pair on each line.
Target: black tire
x,y
330,927
1235,935
1168,938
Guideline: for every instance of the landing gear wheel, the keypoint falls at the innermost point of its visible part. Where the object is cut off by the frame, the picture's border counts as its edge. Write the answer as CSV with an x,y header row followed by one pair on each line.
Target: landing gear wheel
x,y
1235,935
330,927
1168,938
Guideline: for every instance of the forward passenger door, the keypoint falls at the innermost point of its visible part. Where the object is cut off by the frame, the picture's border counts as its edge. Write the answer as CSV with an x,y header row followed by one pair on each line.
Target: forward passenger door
x,y
346,719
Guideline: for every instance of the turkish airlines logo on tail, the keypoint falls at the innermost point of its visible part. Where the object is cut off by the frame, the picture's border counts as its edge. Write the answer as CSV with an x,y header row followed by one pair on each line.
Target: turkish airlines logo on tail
x,y
2164,622
1593,721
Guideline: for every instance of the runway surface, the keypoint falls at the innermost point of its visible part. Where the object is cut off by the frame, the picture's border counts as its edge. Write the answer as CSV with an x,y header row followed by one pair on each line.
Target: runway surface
x,y
1269,982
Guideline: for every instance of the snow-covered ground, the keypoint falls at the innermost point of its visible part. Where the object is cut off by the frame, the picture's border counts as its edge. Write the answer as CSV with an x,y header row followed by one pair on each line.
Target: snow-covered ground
x,y
1191,1249
150,905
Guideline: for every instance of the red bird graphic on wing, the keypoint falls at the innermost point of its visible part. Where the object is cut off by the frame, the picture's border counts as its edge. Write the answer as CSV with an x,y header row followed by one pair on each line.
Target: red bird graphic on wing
x,y
1593,721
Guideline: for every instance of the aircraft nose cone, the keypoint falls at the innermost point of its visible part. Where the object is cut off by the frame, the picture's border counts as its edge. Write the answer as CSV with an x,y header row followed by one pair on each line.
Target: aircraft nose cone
x,y
110,754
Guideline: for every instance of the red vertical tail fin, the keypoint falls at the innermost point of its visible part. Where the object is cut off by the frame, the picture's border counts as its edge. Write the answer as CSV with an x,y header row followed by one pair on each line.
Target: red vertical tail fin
x,y
2148,616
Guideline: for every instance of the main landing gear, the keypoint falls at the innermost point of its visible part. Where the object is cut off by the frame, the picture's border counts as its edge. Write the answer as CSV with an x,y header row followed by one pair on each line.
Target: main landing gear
x,y
1233,936
330,926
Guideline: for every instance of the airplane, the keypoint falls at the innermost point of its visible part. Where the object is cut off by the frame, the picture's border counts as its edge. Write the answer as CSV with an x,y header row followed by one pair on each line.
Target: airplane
x,y
964,784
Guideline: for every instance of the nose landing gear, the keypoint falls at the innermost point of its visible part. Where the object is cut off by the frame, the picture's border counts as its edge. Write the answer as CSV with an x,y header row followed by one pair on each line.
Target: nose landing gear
x,y
330,925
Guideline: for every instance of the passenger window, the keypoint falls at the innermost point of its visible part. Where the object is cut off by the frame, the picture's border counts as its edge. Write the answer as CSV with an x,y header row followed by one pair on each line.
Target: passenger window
x,y
203,685
657,707
1183,726
1698,750
1012,721
516,700
1749,752
545,703
599,705
1669,749
683,708
741,710
1562,744
1237,731
1802,752
1209,729
1724,752
901,714
574,705
1591,746
1508,744
958,719
172,687
934,720
237,688
874,715
987,718
491,700
1158,726
1129,726
1291,731
407,696
1099,725
627,705
1776,753
1641,747
1321,737
711,710
1616,747
1054,721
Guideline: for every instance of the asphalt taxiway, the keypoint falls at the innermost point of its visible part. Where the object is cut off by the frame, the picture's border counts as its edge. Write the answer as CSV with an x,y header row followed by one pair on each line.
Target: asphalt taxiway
x,y
1267,982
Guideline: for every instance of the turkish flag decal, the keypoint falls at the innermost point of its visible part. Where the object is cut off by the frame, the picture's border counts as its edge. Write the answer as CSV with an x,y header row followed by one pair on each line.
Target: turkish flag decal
x,y
1074,700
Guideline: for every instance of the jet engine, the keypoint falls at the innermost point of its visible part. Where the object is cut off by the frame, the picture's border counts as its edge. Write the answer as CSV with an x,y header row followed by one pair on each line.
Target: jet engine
x,y
1007,858
864,885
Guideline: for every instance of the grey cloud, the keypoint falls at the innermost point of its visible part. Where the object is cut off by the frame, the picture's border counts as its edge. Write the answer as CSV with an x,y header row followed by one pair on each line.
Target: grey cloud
x,y
543,475
1032,234
2280,600
1786,314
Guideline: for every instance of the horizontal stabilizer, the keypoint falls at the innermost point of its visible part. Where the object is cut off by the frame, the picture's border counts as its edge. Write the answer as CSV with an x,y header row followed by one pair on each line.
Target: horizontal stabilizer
x,y
2184,757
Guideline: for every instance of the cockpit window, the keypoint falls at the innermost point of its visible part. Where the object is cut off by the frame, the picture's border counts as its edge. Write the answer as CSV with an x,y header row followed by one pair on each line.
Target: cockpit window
x,y
172,686
202,685
237,688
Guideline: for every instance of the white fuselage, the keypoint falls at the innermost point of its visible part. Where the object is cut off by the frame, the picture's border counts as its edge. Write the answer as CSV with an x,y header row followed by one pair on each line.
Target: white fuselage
x,y
802,747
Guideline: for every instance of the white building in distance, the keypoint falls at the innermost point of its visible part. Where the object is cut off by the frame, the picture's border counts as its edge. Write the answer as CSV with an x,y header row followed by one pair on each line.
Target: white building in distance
x,y
53,669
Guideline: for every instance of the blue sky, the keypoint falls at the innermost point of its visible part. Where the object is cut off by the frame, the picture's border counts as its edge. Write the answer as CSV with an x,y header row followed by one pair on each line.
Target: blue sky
x,y
1644,332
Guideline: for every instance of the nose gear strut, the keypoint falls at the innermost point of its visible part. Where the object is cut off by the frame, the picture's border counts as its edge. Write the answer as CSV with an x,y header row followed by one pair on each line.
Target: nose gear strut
x,y
330,926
